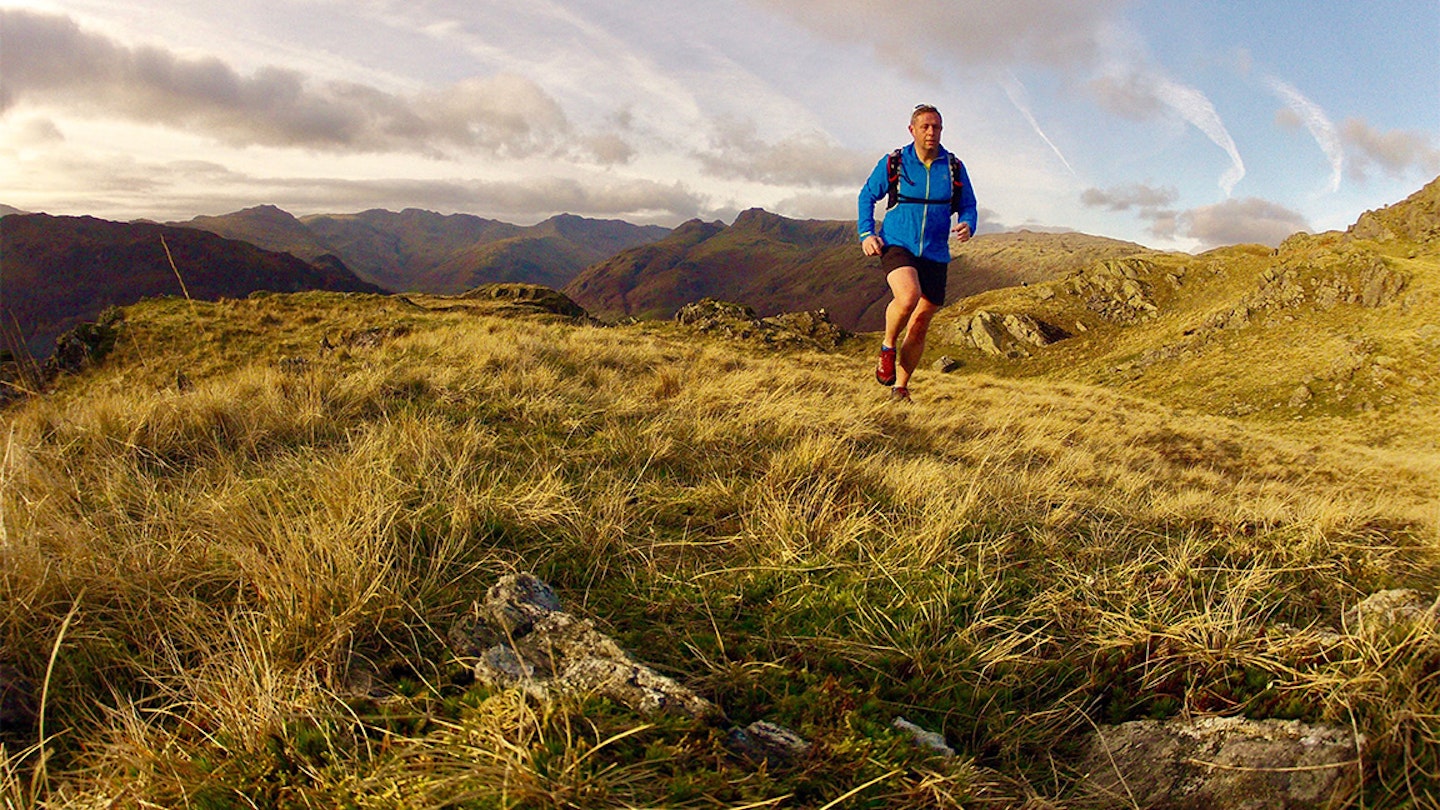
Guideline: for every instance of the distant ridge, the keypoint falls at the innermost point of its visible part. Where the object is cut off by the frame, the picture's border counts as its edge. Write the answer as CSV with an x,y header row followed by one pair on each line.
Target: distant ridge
x,y
423,251
61,271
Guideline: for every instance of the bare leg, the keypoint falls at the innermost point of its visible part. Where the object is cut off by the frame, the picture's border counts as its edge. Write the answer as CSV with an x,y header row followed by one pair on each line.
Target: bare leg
x,y
905,295
914,346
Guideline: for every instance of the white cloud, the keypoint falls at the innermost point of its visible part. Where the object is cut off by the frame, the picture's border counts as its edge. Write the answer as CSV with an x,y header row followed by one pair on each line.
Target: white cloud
x,y
51,61
804,159
916,35
1397,152
1123,198
1241,221
1319,125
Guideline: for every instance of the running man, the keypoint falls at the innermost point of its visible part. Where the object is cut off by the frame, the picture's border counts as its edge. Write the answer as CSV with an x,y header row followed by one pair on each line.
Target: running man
x,y
925,185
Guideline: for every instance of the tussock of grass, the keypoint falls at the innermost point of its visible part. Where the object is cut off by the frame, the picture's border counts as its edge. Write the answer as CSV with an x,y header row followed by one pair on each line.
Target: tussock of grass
x,y
265,566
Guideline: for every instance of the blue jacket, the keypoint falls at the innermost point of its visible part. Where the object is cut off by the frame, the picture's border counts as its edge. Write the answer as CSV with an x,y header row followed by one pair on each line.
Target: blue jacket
x,y
923,228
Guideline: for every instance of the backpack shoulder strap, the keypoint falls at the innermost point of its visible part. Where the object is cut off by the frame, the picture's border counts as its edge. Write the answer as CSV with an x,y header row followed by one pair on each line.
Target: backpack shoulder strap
x,y
892,177
957,171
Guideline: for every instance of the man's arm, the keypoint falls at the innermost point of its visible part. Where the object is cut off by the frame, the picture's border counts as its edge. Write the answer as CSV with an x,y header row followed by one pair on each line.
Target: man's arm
x,y
876,187
968,212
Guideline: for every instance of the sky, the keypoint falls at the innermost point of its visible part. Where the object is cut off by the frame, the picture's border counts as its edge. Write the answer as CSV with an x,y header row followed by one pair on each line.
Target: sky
x,y
1179,125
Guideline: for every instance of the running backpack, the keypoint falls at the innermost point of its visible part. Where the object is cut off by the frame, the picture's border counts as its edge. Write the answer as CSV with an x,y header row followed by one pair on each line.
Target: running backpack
x,y
892,176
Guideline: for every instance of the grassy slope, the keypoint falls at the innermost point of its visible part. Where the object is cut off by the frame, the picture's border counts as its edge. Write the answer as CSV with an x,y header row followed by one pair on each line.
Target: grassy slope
x,y
1240,330
259,568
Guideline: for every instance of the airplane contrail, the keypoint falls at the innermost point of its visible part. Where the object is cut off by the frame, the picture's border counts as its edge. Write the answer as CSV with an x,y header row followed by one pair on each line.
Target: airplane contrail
x,y
1194,107
1016,91
1320,126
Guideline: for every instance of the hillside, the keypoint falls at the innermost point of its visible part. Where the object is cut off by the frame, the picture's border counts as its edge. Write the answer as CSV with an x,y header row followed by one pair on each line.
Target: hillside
x,y
1334,329
254,552
1016,258
276,518
424,251
774,264
61,271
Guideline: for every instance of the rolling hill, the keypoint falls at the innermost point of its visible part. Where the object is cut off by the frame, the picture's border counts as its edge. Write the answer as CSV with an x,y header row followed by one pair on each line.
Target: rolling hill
x,y
268,585
62,271
1334,327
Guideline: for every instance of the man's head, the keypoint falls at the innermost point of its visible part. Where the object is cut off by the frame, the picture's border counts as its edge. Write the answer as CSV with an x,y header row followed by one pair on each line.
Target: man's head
x,y
925,126
923,109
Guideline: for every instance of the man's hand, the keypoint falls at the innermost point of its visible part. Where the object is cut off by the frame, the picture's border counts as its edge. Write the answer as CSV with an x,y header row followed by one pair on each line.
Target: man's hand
x,y
961,232
872,245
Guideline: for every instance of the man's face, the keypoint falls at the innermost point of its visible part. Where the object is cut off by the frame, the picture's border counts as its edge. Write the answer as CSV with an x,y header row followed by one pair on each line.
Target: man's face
x,y
926,131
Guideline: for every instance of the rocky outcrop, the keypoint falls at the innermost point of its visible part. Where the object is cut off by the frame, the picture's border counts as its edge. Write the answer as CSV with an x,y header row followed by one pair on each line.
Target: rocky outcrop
x,y
1312,272
530,298
1228,762
522,639
79,348
1417,218
1005,335
1118,290
808,330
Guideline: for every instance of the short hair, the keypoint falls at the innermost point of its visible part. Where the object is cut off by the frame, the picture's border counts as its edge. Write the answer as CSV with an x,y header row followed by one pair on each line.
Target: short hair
x,y
921,109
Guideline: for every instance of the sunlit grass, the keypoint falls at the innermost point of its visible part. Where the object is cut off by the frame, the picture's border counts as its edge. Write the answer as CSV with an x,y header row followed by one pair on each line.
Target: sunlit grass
x,y
262,567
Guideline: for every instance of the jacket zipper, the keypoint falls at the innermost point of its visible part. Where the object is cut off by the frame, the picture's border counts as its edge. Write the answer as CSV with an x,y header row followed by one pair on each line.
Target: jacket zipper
x,y
924,208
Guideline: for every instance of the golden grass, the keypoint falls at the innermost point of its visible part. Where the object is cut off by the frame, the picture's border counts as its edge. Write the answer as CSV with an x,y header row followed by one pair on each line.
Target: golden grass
x,y
264,567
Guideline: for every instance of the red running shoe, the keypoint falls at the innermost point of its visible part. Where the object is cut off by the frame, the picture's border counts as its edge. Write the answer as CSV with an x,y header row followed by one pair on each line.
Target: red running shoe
x,y
885,371
900,395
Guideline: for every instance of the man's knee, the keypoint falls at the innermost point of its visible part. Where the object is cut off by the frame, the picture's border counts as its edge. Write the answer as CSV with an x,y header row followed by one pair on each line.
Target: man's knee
x,y
908,301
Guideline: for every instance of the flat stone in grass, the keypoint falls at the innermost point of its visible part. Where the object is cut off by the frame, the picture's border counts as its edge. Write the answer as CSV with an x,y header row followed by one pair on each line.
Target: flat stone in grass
x,y
1221,762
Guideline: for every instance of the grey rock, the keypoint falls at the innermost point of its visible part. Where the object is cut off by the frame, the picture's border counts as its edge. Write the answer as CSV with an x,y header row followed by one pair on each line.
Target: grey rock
x,y
763,740
945,364
928,740
516,602
1382,610
1228,762
1006,335
809,330
548,651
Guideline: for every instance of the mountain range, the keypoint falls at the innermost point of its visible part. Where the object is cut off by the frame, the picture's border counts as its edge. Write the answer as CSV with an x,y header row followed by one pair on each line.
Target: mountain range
x,y
423,251
615,269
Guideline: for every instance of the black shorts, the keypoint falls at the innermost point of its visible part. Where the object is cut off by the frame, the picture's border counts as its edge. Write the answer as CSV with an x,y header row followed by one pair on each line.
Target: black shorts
x,y
932,274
